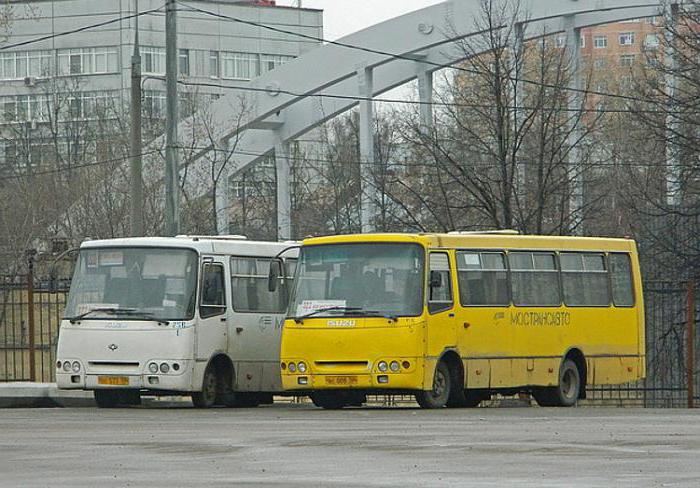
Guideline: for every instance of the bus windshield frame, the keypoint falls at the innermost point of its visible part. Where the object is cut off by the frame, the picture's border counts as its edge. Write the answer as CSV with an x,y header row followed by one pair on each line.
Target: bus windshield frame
x,y
359,279
134,283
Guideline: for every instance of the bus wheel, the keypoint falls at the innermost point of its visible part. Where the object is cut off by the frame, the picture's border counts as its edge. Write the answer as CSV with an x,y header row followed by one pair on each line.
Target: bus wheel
x,y
106,398
438,396
207,397
566,393
328,400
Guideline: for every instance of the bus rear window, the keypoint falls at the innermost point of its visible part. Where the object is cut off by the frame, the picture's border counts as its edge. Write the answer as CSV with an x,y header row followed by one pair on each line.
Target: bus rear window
x,y
621,278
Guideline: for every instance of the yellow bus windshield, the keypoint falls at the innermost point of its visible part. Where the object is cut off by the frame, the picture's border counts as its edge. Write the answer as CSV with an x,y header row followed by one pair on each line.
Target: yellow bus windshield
x,y
358,279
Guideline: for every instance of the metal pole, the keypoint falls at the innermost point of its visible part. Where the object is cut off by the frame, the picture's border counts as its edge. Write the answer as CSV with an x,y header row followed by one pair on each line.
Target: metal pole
x,y
284,196
172,197
368,196
673,176
573,46
30,314
137,227
691,344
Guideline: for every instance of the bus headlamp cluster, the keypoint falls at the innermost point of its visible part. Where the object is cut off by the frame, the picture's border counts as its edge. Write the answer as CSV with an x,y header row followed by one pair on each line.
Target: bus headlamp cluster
x,y
163,367
294,367
393,366
68,366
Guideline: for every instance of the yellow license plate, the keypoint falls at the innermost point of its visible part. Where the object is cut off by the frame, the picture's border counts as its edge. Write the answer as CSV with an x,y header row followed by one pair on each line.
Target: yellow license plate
x,y
113,380
341,380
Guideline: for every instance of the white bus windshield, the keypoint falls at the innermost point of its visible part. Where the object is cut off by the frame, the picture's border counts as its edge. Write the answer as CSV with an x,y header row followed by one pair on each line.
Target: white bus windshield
x,y
134,283
360,280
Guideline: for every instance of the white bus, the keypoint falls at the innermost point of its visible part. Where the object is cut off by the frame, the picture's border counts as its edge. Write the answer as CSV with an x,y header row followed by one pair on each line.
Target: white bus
x,y
175,316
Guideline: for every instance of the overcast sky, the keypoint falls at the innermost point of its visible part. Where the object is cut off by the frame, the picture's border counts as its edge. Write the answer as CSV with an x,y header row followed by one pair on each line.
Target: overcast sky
x,y
343,17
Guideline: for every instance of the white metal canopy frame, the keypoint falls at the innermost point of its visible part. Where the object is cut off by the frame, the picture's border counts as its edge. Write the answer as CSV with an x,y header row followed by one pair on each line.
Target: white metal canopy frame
x,y
289,101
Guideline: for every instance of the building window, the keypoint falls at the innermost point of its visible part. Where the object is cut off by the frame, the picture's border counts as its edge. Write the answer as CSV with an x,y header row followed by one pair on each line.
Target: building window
x,y
652,20
239,66
272,61
87,61
91,105
599,63
153,59
626,38
154,103
560,41
214,64
627,60
19,65
25,108
600,42
583,41
184,62
651,41
238,189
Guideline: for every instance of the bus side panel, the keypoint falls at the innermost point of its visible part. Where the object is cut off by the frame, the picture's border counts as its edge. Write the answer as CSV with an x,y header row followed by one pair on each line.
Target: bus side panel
x,y
478,373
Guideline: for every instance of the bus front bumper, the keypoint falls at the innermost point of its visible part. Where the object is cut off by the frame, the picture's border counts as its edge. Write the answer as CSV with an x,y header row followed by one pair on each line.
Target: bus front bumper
x,y
119,380
367,381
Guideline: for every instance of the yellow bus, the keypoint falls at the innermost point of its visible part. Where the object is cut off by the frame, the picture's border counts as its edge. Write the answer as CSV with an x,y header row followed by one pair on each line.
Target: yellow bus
x,y
456,318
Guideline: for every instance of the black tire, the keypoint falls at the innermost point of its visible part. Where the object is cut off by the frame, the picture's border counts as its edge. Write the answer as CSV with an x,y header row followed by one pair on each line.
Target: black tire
x,y
208,396
106,398
566,393
442,386
328,400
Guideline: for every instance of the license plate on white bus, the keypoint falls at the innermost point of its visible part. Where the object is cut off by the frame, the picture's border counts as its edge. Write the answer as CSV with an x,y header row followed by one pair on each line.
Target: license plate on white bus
x,y
113,380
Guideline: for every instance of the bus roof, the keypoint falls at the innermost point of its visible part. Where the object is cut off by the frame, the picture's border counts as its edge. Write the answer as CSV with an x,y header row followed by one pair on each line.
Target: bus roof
x,y
485,241
201,244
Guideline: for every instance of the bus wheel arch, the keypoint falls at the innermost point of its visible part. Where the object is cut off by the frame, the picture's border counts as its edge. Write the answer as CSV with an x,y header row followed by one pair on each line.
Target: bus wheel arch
x,y
447,387
576,355
217,382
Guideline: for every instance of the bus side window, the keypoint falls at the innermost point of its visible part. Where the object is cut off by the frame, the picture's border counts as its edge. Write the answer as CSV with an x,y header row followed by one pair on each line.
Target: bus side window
x,y
439,283
213,301
483,279
249,286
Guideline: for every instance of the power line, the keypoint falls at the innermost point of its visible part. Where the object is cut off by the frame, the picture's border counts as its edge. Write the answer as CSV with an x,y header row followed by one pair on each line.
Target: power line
x,y
79,29
358,98
74,167
399,56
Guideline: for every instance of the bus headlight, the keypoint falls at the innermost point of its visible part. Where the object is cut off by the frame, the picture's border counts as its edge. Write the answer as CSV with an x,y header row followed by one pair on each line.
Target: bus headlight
x,y
292,368
382,366
153,368
76,367
164,368
301,367
394,366
66,366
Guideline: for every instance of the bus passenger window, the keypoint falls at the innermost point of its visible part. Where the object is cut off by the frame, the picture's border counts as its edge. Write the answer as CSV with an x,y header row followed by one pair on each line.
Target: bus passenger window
x,y
249,286
213,301
584,279
440,286
483,279
621,278
534,279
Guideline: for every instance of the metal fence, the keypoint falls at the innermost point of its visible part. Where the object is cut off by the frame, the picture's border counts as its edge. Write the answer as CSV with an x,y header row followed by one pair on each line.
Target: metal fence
x,y
30,318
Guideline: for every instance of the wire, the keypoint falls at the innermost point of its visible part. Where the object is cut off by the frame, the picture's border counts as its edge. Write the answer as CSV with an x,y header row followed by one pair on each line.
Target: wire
x,y
80,29
358,98
399,56
77,166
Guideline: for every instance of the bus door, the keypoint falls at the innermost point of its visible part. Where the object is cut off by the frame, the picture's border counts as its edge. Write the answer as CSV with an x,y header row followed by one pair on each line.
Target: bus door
x,y
255,325
211,330
440,297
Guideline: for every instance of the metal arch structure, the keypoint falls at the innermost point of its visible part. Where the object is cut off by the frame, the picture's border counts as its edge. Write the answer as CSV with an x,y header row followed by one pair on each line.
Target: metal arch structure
x,y
289,101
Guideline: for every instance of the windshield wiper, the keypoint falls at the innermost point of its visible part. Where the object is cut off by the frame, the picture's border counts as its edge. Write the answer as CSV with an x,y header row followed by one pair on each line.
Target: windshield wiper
x,y
129,312
299,320
348,311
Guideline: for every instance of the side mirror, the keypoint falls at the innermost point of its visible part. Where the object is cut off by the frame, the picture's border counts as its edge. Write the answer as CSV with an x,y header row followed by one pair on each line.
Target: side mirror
x,y
274,276
435,279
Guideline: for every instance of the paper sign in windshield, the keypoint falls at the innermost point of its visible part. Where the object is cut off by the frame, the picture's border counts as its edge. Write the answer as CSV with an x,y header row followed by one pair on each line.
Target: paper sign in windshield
x,y
310,306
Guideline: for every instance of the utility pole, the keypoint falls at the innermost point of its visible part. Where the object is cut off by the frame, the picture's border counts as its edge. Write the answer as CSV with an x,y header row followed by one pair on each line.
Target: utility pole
x,y
172,170
136,161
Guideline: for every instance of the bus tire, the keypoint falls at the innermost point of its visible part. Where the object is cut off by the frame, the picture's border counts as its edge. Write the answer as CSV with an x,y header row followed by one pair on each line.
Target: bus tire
x,y
440,394
328,400
207,397
566,393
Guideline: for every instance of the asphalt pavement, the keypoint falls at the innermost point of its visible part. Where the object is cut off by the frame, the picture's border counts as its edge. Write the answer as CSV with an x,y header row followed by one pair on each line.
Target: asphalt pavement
x,y
291,446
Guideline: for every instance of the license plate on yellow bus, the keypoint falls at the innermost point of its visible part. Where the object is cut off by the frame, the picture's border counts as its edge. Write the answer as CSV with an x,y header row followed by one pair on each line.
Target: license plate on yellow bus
x,y
113,380
341,380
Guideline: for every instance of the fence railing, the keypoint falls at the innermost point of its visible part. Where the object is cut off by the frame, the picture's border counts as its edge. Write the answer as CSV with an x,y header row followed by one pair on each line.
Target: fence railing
x,y
30,315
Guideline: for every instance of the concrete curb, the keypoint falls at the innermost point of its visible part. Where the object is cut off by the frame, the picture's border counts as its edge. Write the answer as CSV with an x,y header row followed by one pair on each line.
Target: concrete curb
x,y
42,395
